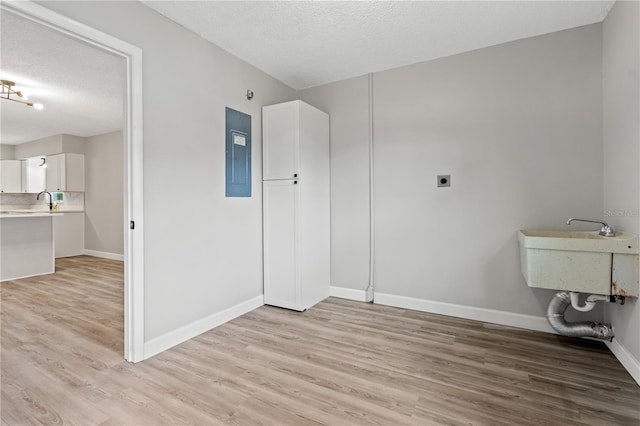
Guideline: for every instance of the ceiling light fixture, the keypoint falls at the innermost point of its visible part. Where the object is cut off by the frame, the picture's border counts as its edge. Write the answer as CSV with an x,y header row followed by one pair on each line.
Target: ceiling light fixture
x,y
10,94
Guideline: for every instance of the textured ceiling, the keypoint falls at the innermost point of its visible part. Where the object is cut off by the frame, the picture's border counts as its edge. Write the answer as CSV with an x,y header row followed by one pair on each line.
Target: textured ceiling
x,y
81,87
308,43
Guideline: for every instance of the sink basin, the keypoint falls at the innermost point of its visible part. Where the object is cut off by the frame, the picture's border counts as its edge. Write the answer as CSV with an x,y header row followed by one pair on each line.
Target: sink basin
x,y
584,262
623,242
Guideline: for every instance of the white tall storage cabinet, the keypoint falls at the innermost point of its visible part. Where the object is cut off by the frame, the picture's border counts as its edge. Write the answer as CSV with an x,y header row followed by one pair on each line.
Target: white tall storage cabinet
x,y
296,183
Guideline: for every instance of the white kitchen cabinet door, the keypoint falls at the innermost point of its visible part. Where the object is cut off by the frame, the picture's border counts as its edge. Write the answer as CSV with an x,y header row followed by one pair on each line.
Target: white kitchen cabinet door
x,y
280,141
65,172
33,175
10,176
54,175
68,234
280,272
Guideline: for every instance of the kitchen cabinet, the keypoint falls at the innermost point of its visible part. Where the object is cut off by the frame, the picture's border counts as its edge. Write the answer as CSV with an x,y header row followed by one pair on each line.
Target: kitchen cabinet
x,y
296,217
10,176
33,175
68,231
65,172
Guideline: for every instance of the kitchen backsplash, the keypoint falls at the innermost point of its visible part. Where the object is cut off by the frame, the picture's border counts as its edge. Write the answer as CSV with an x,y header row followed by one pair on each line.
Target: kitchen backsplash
x,y
72,201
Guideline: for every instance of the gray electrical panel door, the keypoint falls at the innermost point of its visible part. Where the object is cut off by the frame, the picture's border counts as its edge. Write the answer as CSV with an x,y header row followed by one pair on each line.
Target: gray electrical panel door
x,y
238,154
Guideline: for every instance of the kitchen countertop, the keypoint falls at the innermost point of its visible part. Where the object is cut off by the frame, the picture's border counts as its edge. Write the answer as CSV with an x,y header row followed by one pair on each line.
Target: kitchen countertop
x,y
15,211
33,213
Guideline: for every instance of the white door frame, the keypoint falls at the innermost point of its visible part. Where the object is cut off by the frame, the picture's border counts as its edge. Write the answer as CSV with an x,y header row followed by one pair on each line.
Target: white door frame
x,y
133,161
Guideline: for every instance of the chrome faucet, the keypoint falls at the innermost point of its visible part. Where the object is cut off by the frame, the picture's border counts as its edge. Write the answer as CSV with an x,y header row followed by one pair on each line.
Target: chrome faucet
x,y
50,199
605,231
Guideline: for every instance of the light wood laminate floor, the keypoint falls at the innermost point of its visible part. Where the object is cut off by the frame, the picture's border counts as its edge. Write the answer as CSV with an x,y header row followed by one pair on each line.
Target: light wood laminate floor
x,y
339,363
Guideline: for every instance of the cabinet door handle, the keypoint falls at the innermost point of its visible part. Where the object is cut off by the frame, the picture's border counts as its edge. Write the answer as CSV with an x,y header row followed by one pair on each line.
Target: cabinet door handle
x,y
295,175
295,182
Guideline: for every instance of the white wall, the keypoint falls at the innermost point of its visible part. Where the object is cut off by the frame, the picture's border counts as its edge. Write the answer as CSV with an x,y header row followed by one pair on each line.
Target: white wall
x,y
518,126
347,104
103,201
54,144
203,252
621,112
7,152
72,143
45,146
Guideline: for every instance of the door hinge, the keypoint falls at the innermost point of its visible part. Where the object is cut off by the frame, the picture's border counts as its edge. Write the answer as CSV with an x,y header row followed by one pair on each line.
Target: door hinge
x,y
132,224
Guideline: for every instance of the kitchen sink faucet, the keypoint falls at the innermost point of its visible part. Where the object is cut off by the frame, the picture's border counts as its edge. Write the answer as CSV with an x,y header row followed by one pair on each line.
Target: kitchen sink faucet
x,y
50,199
605,231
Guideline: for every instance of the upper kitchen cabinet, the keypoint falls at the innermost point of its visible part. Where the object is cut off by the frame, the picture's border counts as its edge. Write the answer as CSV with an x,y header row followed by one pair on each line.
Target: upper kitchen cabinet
x,y
65,172
33,175
10,176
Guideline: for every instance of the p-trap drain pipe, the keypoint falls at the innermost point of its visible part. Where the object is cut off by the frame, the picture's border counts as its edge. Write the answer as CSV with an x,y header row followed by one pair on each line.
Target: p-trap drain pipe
x,y
555,316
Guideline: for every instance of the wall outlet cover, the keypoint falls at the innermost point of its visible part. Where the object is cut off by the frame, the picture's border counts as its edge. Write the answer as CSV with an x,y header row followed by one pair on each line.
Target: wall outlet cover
x,y
444,180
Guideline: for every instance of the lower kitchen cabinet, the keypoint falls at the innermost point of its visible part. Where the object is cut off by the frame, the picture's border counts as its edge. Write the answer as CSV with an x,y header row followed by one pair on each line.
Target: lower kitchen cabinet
x,y
69,234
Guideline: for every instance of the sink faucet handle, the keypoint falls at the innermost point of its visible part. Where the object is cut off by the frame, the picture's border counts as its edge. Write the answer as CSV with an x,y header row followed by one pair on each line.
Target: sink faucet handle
x,y
605,231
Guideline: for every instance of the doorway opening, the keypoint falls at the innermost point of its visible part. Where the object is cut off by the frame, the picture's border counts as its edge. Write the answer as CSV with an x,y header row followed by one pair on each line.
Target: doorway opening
x,y
132,160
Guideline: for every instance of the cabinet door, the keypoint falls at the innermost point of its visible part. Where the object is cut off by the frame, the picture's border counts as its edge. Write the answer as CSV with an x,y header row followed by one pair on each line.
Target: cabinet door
x,y
280,272
33,175
68,234
280,141
10,176
55,173
65,172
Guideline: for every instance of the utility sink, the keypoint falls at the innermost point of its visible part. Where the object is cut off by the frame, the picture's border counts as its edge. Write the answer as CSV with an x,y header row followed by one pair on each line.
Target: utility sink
x,y
584,262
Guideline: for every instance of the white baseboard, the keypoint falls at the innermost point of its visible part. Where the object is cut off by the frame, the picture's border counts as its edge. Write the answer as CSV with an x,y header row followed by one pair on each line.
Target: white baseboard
x,y
510,319
26,276
628,361
348,293
104,254
189,331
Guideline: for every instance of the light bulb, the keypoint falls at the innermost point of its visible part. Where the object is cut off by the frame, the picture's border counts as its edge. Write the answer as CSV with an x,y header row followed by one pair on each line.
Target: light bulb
x,y
38,106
